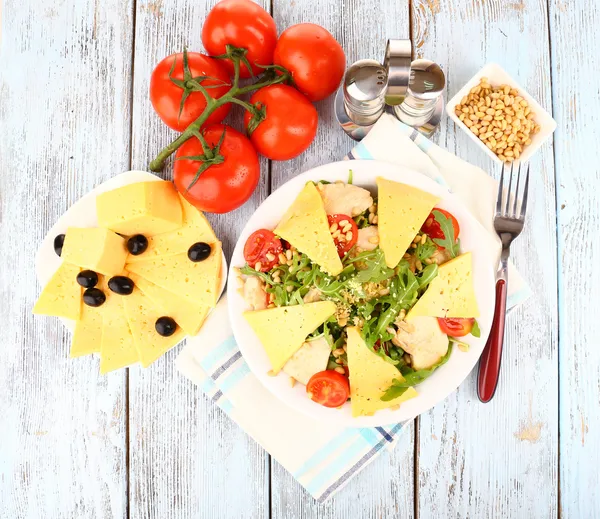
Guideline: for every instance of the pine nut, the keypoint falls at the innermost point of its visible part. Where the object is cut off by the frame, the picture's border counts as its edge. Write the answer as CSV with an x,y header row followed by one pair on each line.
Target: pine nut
x,y
258,266
282,258
270,256
348,235
333,228
343,223
374,240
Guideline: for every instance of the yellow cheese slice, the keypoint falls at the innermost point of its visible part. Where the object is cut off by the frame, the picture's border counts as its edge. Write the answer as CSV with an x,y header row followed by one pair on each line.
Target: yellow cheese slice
x,y
146,208
195,228
188,315
198,282
141,316
117,347
401,211
305,226
451,292
282,330
61,296
370,377
87,336
96,249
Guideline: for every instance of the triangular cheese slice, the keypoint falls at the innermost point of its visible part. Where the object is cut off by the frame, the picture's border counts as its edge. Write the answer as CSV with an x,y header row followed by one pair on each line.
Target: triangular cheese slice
x,y
370,377
283,330
305,226
198,282
186,314
195,228
61,296
142,316
451,292
401,211
117,347
87,336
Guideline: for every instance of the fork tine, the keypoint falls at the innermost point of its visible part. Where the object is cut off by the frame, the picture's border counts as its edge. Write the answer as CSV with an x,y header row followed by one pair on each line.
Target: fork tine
x,y
525,192
507,209
516,202
500,192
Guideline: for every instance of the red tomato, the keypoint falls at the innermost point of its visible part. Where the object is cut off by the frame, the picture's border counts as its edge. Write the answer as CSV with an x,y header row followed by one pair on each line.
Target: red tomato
x,y
222,187
314,58
165,95
243,24
341,243
328,388
432,228
290,124
456,326
258,245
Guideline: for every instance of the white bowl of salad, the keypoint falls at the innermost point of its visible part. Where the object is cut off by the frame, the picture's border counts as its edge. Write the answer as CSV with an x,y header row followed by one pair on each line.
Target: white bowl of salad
x,y
362,293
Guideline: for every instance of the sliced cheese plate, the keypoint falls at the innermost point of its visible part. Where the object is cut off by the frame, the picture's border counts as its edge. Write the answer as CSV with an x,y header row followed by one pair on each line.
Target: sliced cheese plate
x,y
83,214
474,239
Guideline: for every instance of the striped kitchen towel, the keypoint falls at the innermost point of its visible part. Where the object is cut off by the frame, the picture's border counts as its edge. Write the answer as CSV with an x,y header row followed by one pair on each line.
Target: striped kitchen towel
x,y
325,458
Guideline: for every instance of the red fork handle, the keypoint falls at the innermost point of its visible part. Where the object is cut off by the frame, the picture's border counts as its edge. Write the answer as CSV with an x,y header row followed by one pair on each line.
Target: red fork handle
x,y
489,364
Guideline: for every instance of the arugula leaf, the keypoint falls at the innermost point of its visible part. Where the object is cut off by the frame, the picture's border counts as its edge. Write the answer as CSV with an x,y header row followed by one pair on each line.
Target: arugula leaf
x,y
476,331
449,242
425,250
247,270
362,220
377,270
428,274
413,377
350,174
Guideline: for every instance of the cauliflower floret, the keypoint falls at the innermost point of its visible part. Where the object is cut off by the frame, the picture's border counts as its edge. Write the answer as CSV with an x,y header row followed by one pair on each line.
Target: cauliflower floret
x,y
254,293
346,199
423,339
368,238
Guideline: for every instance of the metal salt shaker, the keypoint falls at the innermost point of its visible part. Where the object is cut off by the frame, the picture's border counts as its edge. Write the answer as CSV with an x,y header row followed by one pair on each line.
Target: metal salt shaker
x,y
360,101
423,105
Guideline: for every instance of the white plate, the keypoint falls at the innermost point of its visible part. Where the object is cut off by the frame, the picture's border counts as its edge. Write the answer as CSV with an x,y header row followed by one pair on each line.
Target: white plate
x,y
498,76
83,214
442,382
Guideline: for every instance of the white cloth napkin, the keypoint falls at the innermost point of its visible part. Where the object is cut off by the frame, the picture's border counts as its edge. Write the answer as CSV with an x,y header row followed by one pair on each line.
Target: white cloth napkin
x,y
323,459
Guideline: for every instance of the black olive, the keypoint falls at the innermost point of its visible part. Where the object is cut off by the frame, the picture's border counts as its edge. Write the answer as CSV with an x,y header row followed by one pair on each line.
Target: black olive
x,y
94,297
199,251
165,326
121,285
59,241
137,244
87,278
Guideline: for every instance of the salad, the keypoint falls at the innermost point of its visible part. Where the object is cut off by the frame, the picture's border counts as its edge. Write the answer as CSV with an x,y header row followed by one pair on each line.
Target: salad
x,y
393,292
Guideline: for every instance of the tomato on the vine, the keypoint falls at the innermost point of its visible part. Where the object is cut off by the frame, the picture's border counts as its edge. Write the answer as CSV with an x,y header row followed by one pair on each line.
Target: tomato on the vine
x,y
221,177
456,326
290,122
340,237
314,58
260,246
328,388
242,24
432,228
171,81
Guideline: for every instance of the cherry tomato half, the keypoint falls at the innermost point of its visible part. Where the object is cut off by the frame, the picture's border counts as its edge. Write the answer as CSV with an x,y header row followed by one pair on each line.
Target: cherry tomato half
x,y
258,245
342,244
243,24
165,95
314,58
432,228
290,124
456,326
221,187
328,388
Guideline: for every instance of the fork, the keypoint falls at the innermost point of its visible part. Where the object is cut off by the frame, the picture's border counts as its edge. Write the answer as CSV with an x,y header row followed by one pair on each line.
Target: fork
x,y
508,223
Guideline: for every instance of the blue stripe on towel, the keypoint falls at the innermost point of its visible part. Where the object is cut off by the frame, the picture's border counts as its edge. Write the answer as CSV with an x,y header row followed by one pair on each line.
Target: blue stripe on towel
x,y
218,353
360,151
223,367
357,466
385,434
324,451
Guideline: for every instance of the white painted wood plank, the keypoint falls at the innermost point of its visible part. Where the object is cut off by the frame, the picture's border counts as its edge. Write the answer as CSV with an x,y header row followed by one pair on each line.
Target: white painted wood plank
x,y
65,82
187,458
384,488
575,79
499,459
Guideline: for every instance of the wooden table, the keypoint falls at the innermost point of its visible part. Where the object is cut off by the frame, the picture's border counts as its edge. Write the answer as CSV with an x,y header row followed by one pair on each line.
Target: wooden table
x,y
74,111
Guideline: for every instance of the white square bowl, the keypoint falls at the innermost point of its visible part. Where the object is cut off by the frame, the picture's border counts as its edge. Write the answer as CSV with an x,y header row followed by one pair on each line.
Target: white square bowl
x,y
496,76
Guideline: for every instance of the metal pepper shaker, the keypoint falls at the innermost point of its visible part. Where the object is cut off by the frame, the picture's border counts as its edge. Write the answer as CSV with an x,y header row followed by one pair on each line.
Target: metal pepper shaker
x,y
360,101
423,105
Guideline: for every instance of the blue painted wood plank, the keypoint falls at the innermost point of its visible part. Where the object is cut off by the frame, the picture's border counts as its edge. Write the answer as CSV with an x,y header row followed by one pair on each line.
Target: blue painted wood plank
x,y
576,96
